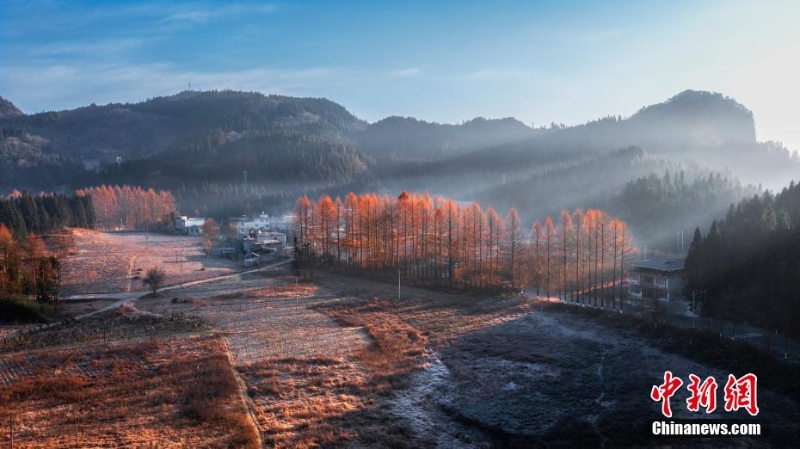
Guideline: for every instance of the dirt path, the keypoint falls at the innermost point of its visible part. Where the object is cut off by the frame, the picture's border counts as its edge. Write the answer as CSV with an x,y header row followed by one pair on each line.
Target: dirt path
x,y
122,298
244,399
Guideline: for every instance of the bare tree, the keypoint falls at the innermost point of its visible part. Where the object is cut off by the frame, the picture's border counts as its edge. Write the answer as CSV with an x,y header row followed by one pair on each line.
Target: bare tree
x,y
155,278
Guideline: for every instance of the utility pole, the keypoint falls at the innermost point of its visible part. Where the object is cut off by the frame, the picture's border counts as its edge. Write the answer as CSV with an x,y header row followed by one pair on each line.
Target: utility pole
x,y
694,310
398,284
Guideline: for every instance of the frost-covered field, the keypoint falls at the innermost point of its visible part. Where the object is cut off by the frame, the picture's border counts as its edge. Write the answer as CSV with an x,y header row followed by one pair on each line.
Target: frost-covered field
x,y
261,321
104,262
340,361
565,379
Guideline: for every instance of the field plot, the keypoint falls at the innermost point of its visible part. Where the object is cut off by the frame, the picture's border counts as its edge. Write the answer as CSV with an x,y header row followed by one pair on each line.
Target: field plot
x,y
131,395
114,262
125,325
276,321
562,379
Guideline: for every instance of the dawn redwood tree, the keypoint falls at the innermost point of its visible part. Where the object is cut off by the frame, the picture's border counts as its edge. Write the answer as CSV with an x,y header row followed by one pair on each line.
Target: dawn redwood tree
x,y
326,219
616,233
494,234
549,236
537,250
351,231
210,231
567,231
474,225
577,222
451,223
515,247
339,207
425,231
602,229
588,225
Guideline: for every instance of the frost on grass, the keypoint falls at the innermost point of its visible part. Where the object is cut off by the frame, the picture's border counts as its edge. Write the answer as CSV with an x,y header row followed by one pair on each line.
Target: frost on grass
x,y
106,262
179,392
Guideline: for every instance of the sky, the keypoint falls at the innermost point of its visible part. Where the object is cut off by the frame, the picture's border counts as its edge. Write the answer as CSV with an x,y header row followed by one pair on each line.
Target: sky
x,y
443,61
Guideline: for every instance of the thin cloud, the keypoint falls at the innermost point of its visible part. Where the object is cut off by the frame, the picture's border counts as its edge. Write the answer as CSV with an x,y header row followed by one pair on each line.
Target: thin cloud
x,y
405,73
502,74
83,48
197,14
588,38
164,17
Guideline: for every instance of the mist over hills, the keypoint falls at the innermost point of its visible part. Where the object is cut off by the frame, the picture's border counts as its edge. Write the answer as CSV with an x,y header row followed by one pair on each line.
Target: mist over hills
x,y
406,138
199,144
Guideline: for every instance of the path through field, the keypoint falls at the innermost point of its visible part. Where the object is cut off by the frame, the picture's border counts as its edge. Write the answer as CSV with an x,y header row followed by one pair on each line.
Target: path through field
x,y
276,320
104,262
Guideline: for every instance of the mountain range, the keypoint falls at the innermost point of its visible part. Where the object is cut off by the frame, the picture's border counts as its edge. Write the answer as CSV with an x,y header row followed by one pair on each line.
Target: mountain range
x,y
251,150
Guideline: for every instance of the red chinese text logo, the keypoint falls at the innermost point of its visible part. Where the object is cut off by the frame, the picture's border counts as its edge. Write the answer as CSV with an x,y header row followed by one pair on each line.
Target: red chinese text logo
x,y
665,391
704,394
739,393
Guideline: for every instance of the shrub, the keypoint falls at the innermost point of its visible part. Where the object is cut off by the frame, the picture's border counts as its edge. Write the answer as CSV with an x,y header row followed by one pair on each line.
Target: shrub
x,y
16,309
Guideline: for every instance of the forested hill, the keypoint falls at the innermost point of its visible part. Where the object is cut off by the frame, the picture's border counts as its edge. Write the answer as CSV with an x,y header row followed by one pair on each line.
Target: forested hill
x,y
186,136
8,109
188,119
406,138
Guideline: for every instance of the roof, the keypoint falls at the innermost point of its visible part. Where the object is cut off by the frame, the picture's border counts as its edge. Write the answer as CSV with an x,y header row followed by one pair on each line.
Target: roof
x,y
659,264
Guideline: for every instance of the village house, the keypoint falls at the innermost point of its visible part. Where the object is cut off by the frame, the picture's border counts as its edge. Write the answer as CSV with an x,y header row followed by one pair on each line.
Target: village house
x,y
262,247
189,225
245,224
656,278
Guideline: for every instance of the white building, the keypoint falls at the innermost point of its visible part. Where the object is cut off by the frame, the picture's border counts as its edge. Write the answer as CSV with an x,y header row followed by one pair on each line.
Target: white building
x,y
245,224
189,225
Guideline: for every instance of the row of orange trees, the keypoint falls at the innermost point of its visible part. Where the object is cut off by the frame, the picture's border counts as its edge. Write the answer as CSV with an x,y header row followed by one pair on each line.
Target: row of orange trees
x,y
130,208
581,255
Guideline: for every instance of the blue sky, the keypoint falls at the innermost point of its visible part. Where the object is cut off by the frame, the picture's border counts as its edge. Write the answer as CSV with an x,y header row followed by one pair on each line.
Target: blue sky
x,y
443,61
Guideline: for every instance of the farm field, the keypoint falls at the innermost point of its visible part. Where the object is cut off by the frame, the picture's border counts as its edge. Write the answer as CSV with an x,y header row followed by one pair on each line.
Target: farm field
x,y
340,361
103,262
132,395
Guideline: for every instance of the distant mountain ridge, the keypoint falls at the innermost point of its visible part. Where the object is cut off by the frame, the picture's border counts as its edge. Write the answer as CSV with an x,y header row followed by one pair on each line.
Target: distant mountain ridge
x,y
214,136
409,138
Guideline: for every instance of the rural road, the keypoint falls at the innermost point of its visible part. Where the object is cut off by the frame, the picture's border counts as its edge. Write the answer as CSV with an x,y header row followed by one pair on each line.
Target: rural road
x,y
126,297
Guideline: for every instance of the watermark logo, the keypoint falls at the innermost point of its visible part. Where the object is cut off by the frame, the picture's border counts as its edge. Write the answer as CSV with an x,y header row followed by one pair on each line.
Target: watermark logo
x,y
741,393
703,395
738,393
665,391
